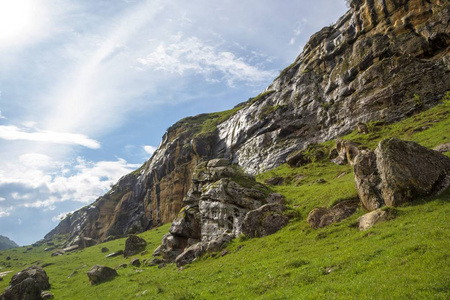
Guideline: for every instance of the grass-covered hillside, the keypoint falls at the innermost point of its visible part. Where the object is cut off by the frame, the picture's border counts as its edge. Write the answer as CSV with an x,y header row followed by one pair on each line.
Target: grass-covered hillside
x,y
407,257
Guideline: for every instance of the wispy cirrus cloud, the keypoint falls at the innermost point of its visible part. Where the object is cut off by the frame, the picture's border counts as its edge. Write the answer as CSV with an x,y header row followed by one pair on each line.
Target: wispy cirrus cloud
x,y
194,55
149,149
10,132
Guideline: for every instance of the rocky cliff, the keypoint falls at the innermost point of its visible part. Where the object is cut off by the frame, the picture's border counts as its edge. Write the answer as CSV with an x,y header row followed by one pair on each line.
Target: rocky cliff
x,y
383,60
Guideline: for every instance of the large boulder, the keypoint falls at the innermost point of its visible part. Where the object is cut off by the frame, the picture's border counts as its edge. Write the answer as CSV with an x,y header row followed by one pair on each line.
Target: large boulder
x,y
134,245
98,274
398,172
265,220
27,284
321,217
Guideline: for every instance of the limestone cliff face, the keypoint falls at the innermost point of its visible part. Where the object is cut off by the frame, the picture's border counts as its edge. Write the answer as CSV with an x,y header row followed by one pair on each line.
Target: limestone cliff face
x,y
368,66
383,60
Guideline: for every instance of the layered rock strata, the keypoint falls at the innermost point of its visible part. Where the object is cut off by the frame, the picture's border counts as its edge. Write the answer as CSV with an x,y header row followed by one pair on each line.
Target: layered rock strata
x,y
221,204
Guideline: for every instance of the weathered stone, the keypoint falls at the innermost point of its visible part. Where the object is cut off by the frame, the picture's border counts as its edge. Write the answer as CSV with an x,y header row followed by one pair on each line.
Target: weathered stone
x,y
134,245
321,217
265,220
70,249
275,181
187,223
399,172
135,262
368,180
408,170
105,249
218,162
46,295
114,254
296,159
85,242
362,128
344,152
442,148
98,274
368,220
27,284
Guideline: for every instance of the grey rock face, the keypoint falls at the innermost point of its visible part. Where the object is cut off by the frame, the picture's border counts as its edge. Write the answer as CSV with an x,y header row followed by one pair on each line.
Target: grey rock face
x,y
265,220
321,217
98,274
219,200
344,152
134,245
27,284
398,172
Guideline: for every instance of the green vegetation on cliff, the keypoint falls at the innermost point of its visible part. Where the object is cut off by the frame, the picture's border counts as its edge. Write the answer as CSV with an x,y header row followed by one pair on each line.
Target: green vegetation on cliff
x,y
406,257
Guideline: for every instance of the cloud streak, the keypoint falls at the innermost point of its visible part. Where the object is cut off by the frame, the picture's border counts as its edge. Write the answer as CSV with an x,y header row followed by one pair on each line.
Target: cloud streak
x,y
193,55
12,133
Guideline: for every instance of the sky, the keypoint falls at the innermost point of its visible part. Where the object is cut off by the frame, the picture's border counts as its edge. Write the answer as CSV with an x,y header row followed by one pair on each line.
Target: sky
x,y
88,87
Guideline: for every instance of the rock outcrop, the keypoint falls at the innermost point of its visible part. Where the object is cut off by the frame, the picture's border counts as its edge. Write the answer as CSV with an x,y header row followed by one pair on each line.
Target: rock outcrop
x,y
221,204
321,217
27,285
370,219
366,67
134,245
98,274
398,172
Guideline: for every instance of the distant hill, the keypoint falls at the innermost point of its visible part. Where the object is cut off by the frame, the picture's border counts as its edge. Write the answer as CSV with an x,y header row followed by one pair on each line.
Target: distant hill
x,y
6,243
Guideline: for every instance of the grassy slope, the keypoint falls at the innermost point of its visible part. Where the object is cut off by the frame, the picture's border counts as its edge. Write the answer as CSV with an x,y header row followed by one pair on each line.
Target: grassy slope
x,y
405,258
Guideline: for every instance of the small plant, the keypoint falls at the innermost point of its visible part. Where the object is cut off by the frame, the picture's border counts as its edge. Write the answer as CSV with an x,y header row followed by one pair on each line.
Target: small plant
x,y
417,101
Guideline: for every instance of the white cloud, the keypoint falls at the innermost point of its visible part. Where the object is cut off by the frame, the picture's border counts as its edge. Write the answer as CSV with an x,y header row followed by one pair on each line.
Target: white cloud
x,y
149,149
193,55
43,182
35,160
15,133
2,116
2,199
5,212
61,216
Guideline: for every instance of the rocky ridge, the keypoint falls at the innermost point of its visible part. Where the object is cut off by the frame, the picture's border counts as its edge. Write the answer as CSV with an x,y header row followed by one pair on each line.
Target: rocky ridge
x,y
383,60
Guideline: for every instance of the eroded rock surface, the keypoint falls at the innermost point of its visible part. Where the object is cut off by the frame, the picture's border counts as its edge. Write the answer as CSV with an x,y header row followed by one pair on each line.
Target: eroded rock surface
x,y
370,219
27,285
220,198
398,172
98,274
134,245
321,217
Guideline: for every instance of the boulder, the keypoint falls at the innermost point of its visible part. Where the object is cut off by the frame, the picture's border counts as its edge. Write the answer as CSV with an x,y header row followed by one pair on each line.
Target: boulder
x,y
85,242
368,220
187,223
344,152
27,284
98,274
368,180
442,148
135,262
104,250
46,295
321,217
265,220
114,254
134,245
398,172
218,162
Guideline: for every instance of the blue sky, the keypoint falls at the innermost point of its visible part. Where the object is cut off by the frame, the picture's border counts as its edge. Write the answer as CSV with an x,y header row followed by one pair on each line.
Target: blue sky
x,y
88,88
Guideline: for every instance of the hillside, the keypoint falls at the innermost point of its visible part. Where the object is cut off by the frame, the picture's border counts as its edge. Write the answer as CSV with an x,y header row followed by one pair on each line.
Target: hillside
x,y
381,61
403,258
6,243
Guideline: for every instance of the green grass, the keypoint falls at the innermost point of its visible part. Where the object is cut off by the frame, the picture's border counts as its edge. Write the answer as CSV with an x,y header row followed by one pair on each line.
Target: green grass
x,y
407,257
